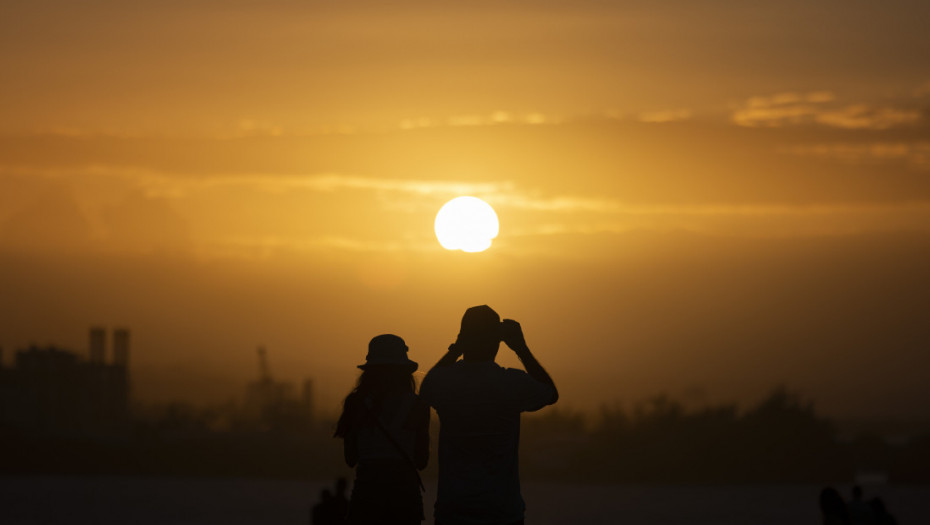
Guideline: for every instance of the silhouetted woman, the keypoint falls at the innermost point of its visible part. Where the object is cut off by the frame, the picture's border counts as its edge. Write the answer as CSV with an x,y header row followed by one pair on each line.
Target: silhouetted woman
x,y
386,431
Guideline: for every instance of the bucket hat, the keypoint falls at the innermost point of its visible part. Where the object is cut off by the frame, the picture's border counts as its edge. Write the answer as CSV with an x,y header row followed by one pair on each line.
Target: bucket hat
x,y
388,349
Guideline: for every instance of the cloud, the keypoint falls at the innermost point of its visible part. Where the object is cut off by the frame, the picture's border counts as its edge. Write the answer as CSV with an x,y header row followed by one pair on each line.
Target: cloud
x,y
745,220
336,182
790,98
467,120
561,204
780,109
785,109
248,127
762,221
915,154
266,246
268,229
498,193
719,210
864,117
661,117
176,185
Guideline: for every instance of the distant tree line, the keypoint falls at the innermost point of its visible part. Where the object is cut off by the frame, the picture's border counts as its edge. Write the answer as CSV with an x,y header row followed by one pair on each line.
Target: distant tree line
x,y
780,439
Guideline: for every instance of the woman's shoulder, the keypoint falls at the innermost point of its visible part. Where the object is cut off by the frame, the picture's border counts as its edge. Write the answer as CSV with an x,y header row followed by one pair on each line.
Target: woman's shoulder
x,y
352,398
403,402
401,398
354,402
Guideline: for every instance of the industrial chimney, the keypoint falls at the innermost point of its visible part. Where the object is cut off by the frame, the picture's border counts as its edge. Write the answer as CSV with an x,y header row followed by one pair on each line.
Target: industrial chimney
x,y
121,347
98,344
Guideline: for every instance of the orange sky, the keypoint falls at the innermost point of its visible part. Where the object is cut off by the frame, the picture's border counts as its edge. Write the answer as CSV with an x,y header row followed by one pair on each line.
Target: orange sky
x,y
695,197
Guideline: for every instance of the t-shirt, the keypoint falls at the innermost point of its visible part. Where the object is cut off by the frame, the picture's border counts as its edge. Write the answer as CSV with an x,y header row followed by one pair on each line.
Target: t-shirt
x,y
479,406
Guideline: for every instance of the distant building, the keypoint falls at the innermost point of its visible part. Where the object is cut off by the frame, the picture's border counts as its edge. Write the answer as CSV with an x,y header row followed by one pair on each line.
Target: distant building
x,y
51,391
276,405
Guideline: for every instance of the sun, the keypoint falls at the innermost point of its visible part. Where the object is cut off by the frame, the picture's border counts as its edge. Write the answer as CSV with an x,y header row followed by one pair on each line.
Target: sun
x,y
466,223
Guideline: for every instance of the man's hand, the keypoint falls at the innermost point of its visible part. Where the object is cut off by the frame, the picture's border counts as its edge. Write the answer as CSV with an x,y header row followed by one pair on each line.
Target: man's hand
x,y
512,335
450,357
456,349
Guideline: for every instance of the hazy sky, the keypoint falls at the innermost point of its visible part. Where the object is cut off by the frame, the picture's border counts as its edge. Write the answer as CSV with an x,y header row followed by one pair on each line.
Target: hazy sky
x,y
699,198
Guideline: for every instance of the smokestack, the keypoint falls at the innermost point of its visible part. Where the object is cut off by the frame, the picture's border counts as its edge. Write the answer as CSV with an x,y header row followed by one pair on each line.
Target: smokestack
x,y
98,344
121,347
307,397
307,393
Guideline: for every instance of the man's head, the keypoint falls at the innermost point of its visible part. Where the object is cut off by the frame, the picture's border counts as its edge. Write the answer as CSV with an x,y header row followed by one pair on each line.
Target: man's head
x,y
480,335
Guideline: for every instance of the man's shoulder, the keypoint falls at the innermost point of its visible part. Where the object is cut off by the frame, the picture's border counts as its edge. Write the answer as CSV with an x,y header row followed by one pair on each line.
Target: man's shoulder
x,y
435,380
442,379
459,369
439,372
514,372
462,369
516,375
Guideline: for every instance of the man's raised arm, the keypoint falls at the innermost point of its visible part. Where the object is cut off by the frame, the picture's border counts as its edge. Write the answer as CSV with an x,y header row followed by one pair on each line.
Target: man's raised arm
x,y
450,357
513,337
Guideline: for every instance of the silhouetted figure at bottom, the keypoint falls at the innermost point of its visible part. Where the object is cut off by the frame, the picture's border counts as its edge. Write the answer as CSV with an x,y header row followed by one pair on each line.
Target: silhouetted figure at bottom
x,y
479,405
880,513
341,501
331,509
833,508
386,431
323,512
860,512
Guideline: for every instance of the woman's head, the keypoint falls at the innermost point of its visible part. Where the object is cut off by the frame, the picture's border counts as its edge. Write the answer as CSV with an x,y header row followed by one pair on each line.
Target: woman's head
x,y
386,371
387,367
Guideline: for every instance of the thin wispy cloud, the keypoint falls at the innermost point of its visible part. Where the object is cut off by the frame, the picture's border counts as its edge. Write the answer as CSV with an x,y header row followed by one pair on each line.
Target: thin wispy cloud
x,y
608,207
818,107
915,154
267,246
780,109
790,98
248,127
407,205
336,182
861,116
179,185
473,120
505,194
661,117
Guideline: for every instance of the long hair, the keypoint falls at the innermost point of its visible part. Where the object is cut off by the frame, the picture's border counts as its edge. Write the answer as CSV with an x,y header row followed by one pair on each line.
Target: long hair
x,y
375,383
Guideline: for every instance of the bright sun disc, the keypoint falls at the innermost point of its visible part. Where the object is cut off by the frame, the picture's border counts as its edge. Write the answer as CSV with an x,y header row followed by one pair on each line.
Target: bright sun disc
x,y
467,224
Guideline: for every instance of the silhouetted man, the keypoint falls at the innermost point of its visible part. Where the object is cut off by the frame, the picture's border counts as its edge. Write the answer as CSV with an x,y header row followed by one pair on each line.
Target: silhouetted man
x,y
479,405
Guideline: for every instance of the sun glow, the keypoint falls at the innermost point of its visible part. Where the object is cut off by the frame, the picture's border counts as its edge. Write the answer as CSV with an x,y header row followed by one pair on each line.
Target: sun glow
x,y
466,223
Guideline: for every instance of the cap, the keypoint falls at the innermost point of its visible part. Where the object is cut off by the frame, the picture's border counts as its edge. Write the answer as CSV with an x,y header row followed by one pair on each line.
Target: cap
x,y
480,322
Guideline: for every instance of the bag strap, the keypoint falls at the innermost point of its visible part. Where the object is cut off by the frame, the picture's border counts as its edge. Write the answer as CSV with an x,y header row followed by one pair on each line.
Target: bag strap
x,y
393,440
